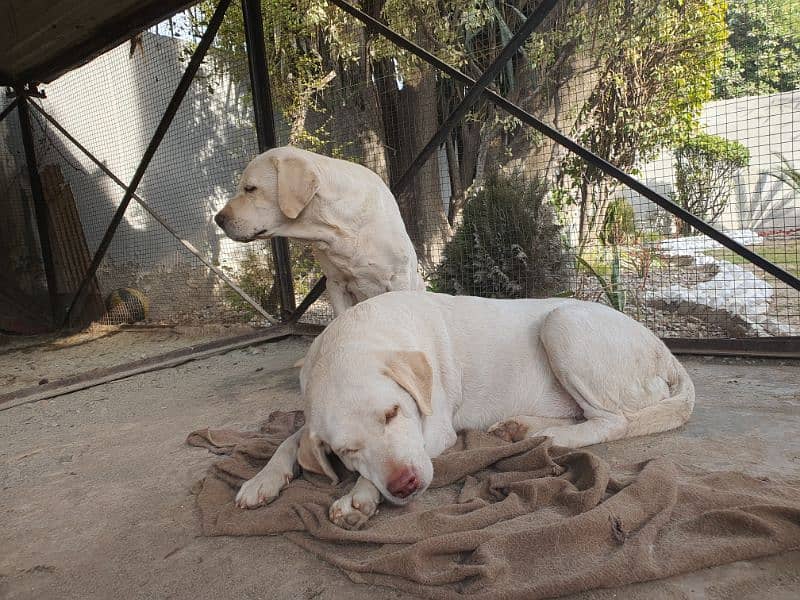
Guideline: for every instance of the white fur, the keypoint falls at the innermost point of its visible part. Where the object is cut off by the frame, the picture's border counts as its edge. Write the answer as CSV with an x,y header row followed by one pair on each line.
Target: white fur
x,y
345,210
579,372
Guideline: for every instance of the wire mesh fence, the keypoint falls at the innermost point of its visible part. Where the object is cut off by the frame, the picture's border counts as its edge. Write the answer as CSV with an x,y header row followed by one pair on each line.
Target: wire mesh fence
x,y
680,94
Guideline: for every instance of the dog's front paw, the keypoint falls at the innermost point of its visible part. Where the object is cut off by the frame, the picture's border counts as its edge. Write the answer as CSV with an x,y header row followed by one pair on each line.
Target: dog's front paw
x,y
352,511
510,431
262,489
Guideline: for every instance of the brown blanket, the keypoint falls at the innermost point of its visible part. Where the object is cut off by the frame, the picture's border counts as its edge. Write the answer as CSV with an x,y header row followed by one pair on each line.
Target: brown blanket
x,y
524,520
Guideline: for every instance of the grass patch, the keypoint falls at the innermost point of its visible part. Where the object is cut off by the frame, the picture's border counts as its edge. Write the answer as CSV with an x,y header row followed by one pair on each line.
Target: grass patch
x,y
784,253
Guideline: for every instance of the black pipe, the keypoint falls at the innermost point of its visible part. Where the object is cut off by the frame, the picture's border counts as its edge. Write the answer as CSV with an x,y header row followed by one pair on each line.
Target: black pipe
x,y
39,203
152,147
7,110
575,147
265,130
310,298
475,93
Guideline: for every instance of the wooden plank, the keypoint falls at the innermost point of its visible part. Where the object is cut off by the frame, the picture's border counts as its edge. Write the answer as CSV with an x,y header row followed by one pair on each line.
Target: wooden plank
x,y
71,256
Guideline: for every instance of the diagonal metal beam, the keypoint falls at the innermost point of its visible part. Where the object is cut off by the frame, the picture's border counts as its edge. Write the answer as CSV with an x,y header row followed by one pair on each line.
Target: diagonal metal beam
x,y
153,213
152,147
575,147
475,92
7,110
310,298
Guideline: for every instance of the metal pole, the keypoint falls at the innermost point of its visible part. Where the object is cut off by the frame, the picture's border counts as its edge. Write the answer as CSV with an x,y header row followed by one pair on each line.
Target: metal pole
x,y
310,298
8,109
153,213
39,202
575,147
475,93
155,141
265,130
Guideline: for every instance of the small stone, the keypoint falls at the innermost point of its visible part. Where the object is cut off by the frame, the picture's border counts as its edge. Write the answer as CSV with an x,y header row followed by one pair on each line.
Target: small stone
x,y
44,380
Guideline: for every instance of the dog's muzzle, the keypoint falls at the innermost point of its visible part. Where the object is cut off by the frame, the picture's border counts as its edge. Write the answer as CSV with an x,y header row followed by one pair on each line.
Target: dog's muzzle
x,y
403,482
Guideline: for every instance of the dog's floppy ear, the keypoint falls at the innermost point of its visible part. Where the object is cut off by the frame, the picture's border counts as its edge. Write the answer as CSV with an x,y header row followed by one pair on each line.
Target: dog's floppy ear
x,y
411,371
298,181
313,458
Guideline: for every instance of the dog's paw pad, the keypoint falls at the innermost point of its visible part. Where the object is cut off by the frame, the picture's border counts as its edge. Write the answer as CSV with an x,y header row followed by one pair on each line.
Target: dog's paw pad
x,y
510,431
349,513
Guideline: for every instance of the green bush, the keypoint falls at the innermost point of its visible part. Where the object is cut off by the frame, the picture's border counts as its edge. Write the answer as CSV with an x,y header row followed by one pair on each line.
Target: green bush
x,y
508,244
704,169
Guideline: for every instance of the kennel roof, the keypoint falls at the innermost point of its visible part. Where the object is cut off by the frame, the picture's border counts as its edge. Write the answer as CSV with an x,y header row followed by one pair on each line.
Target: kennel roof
x,y
42,39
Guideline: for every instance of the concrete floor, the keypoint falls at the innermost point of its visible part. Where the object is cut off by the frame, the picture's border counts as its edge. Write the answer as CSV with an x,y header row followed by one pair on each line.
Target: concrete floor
x,y
96,503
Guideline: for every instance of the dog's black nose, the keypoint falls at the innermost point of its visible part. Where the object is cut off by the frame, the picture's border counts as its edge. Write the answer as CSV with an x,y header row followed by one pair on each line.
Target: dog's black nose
x,y
219,219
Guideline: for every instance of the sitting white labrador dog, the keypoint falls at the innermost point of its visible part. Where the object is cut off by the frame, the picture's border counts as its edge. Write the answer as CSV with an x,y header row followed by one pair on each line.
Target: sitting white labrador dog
x,y
388,384
344,209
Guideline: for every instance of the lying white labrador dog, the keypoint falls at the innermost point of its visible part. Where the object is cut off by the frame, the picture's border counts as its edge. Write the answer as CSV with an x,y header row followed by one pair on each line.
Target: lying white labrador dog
x,y
388,384
346,211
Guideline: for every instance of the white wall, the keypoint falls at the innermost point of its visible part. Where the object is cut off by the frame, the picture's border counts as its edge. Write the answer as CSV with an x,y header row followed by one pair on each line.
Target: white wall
x,y
768,126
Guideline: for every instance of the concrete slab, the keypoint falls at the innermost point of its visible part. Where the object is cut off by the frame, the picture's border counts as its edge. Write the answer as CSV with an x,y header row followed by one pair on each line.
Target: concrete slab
x,y
96,503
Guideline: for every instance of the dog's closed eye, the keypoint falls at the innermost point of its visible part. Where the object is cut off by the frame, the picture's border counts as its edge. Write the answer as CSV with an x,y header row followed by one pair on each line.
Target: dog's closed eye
x,y
391,413
249,188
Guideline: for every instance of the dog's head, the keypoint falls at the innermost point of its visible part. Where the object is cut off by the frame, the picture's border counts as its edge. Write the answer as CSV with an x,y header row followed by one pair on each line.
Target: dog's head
x,y
369,411
275,189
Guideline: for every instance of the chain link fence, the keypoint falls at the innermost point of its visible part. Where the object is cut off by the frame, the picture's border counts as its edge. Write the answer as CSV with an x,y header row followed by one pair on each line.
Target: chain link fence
x,y
679,94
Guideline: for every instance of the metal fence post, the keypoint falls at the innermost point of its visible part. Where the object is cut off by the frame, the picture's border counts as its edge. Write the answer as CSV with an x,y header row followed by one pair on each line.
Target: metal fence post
x,y
265,130
39,202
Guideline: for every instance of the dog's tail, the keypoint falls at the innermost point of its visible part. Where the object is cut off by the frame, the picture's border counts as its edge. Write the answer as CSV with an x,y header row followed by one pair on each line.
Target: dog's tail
x,y
669,413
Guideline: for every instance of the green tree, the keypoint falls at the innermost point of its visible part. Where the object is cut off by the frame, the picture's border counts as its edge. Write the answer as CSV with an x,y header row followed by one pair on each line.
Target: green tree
x,y
658,64
762,55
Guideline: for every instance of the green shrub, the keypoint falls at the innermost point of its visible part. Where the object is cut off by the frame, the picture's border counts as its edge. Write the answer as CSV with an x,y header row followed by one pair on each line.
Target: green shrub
x,y
508,244
704,169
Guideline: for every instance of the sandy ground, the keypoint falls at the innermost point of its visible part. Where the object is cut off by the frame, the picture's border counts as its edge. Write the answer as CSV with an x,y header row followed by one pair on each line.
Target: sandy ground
x,y
26,361
96,503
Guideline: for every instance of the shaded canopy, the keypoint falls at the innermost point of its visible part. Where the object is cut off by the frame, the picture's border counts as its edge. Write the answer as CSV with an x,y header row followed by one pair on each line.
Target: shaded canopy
x,y
42,39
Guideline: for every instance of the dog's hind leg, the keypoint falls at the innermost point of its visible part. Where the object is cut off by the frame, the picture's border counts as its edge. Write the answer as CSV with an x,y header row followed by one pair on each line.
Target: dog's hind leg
x,y
518,428
621,376
276,475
